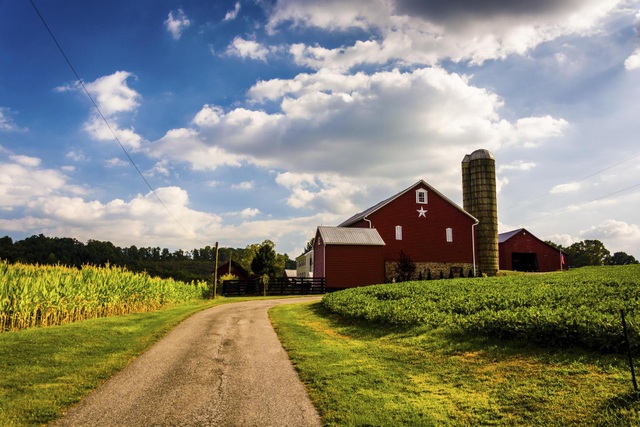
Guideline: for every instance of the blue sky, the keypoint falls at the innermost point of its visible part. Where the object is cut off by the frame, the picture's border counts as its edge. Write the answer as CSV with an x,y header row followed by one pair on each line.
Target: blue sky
x,y
256,120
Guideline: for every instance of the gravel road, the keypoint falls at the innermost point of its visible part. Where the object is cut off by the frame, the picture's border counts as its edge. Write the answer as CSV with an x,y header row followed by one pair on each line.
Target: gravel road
x,y
221,367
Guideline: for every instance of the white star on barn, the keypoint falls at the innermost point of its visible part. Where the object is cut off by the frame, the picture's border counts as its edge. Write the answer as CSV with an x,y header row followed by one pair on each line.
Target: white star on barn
x,y
422,212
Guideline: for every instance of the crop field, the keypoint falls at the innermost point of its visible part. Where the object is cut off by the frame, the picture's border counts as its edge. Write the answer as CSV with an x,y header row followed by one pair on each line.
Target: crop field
x,y
536,349
581,307
54,295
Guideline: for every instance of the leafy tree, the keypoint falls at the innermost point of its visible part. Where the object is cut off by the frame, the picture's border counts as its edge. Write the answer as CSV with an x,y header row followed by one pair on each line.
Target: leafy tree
x,y
621,258
309,245
265,261
587,252
7,250
405,269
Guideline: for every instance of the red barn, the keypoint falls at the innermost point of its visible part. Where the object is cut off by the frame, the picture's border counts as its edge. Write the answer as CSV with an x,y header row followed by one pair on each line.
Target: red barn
x,y
435,233
522,251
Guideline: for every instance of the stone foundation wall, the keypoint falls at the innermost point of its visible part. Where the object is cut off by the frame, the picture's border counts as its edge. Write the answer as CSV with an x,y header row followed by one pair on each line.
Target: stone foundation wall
x,y
459,269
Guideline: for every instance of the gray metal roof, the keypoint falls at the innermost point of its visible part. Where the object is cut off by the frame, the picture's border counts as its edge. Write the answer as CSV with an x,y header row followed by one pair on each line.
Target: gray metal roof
x,y
350,236
503,237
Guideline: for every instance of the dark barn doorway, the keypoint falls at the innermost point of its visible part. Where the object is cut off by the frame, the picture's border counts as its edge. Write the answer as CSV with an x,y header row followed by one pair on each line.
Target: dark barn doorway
x,y
524,261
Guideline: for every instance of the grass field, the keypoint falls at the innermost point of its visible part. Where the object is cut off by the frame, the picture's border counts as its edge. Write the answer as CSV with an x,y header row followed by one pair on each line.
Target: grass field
x,y
366,371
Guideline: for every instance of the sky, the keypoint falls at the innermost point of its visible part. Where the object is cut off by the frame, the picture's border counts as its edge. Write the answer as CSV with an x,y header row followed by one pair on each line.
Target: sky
x,y
197,122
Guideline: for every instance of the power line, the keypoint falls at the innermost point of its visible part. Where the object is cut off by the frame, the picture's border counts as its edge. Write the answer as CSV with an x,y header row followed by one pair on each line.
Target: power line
x,y
584,203
104,119
531,199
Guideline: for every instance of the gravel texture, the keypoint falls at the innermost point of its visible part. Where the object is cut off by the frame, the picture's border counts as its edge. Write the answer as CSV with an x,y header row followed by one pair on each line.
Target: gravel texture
x,y
221,367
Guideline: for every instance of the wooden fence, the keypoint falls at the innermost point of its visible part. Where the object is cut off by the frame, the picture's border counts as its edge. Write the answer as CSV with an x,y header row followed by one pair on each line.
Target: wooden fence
x,y
278,286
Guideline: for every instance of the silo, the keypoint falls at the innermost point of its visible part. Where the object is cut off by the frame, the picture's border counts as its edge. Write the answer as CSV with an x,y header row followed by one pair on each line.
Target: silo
x,y
480,200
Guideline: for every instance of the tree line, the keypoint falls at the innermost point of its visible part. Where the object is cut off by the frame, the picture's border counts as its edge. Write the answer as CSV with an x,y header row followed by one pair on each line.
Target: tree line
x,y
196,264
593,252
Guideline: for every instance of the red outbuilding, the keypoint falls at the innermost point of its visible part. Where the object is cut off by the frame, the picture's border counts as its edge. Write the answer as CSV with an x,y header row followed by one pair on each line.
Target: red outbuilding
x,y
348,257
522,251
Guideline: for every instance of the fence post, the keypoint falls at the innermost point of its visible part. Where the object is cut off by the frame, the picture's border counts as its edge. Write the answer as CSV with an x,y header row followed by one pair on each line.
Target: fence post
x,y
215,276
626,338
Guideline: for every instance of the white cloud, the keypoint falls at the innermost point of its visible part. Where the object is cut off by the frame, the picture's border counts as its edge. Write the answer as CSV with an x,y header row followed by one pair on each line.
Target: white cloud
x,y
160,168
176,23
246,185
383,119
209,115
27,161
112,93
114,97
291,180
98,129
414,32
247,49
400,126
530,132
616,235
519,165
186,145
633,61
326,192
249,212
566,188
7,124
76,156
233,13
141,221
21,181
561,239
115,162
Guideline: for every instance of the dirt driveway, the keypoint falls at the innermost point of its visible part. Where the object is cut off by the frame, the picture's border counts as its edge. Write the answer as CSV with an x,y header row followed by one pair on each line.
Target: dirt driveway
x,y
221,367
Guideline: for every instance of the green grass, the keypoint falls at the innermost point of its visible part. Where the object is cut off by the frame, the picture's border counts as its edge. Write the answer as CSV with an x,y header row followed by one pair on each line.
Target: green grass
x,y
361,374
45,370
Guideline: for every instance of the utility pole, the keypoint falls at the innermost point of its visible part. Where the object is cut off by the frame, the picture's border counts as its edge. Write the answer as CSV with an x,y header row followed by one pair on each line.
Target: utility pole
x,y
215,276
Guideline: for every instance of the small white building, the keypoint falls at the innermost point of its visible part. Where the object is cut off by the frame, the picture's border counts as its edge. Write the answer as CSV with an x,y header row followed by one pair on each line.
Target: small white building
x,y
304,265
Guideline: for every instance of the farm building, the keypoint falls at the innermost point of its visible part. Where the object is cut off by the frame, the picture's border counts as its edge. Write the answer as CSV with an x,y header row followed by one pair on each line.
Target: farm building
x,y
522,251
304,265
435,233
232,267
348,257
418,224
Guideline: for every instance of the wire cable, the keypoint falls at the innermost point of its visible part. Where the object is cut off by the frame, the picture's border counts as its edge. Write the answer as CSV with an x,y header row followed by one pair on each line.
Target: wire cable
x,y
529,200
104,119
583,203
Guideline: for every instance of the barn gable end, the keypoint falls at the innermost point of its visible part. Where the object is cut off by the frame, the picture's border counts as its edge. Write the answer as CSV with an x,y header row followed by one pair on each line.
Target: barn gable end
x,y
425,225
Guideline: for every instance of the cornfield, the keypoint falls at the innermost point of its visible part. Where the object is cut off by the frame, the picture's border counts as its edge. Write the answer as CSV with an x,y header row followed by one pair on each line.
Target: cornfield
x,y
33,295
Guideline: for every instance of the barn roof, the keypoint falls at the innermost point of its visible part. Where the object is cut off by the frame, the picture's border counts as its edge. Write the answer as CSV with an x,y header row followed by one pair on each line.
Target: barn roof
x,y
503,237
359,216
350,236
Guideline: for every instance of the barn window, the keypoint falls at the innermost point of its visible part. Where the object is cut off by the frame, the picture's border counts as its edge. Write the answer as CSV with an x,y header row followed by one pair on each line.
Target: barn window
x,y
421,196
449,232
398,232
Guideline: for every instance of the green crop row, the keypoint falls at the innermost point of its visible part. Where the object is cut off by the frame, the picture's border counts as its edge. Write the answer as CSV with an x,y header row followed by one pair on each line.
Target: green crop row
x,y
52,295
579,307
